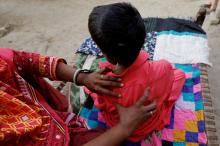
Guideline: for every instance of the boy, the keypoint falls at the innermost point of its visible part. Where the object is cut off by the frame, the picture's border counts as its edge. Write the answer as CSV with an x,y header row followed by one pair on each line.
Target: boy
x,y
119,31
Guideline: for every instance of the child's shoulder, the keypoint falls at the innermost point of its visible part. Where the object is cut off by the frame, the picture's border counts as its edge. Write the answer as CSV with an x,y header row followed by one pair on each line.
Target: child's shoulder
x,y
159,69
161,64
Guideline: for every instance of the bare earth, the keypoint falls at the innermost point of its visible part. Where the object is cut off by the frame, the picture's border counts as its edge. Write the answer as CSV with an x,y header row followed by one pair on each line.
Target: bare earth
x,y
58,27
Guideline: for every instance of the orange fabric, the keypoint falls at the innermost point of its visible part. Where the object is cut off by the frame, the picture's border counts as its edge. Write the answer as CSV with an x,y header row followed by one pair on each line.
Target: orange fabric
x,y
25,117
16,118
165,86
29,106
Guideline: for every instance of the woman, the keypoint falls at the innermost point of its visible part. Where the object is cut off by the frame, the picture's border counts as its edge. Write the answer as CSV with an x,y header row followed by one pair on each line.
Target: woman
x,y
33,113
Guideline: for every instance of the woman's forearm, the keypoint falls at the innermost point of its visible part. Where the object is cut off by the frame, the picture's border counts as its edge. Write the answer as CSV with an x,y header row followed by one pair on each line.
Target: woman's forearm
x,y
130,118
111,137
95,81
65,72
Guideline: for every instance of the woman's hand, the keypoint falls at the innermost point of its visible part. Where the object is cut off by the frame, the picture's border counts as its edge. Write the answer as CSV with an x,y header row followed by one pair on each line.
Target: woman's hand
x,y
100,83
96,81
132,117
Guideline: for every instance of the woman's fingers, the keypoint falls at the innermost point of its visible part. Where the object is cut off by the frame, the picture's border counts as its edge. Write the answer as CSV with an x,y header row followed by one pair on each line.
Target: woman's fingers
x,y
104,71
101,83
151,113
106,91
143,99
119,108
108,78
150,107
109,83
149,110
101,72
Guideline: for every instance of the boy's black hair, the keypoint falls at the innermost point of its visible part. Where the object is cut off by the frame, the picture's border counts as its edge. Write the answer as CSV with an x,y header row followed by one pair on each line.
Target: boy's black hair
x,y
118,29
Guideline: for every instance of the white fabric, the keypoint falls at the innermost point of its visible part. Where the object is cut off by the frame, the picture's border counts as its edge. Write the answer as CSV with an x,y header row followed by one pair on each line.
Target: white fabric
x,y
182,49
87,65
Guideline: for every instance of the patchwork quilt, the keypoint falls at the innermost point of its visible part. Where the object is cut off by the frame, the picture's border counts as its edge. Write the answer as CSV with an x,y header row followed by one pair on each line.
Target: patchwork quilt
x,y
184,46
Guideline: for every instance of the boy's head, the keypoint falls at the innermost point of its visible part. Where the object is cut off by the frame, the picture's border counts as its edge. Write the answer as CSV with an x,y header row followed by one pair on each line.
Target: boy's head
x,y
119,31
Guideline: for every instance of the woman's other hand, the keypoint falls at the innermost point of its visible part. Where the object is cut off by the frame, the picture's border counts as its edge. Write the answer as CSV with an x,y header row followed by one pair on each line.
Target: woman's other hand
x,y
132,117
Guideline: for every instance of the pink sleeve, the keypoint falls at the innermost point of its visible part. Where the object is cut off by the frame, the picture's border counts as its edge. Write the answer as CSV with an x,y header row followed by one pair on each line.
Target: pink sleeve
x,y
179,80
161,80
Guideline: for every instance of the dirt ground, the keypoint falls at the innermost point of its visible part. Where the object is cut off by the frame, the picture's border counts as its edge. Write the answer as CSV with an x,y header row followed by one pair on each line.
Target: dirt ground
x,y
58,27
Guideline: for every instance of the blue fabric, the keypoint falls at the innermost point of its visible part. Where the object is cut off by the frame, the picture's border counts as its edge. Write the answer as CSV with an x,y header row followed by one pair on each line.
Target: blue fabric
x,y
149,44
89,47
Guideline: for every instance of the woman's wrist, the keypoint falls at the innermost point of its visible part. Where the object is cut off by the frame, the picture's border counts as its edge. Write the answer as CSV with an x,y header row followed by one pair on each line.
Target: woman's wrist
x,y
127,130
124,131
80,76
81,79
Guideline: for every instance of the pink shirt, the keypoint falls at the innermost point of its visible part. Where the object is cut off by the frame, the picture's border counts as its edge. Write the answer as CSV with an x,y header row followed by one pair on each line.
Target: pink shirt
x,y
165,86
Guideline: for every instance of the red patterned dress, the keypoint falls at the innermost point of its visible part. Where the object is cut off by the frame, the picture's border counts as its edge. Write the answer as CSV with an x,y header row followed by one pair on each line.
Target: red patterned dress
x,y
33,113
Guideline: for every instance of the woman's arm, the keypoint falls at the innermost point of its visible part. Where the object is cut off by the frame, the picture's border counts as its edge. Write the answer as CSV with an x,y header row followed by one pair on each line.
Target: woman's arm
x,y
130,119
27,63
95,81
